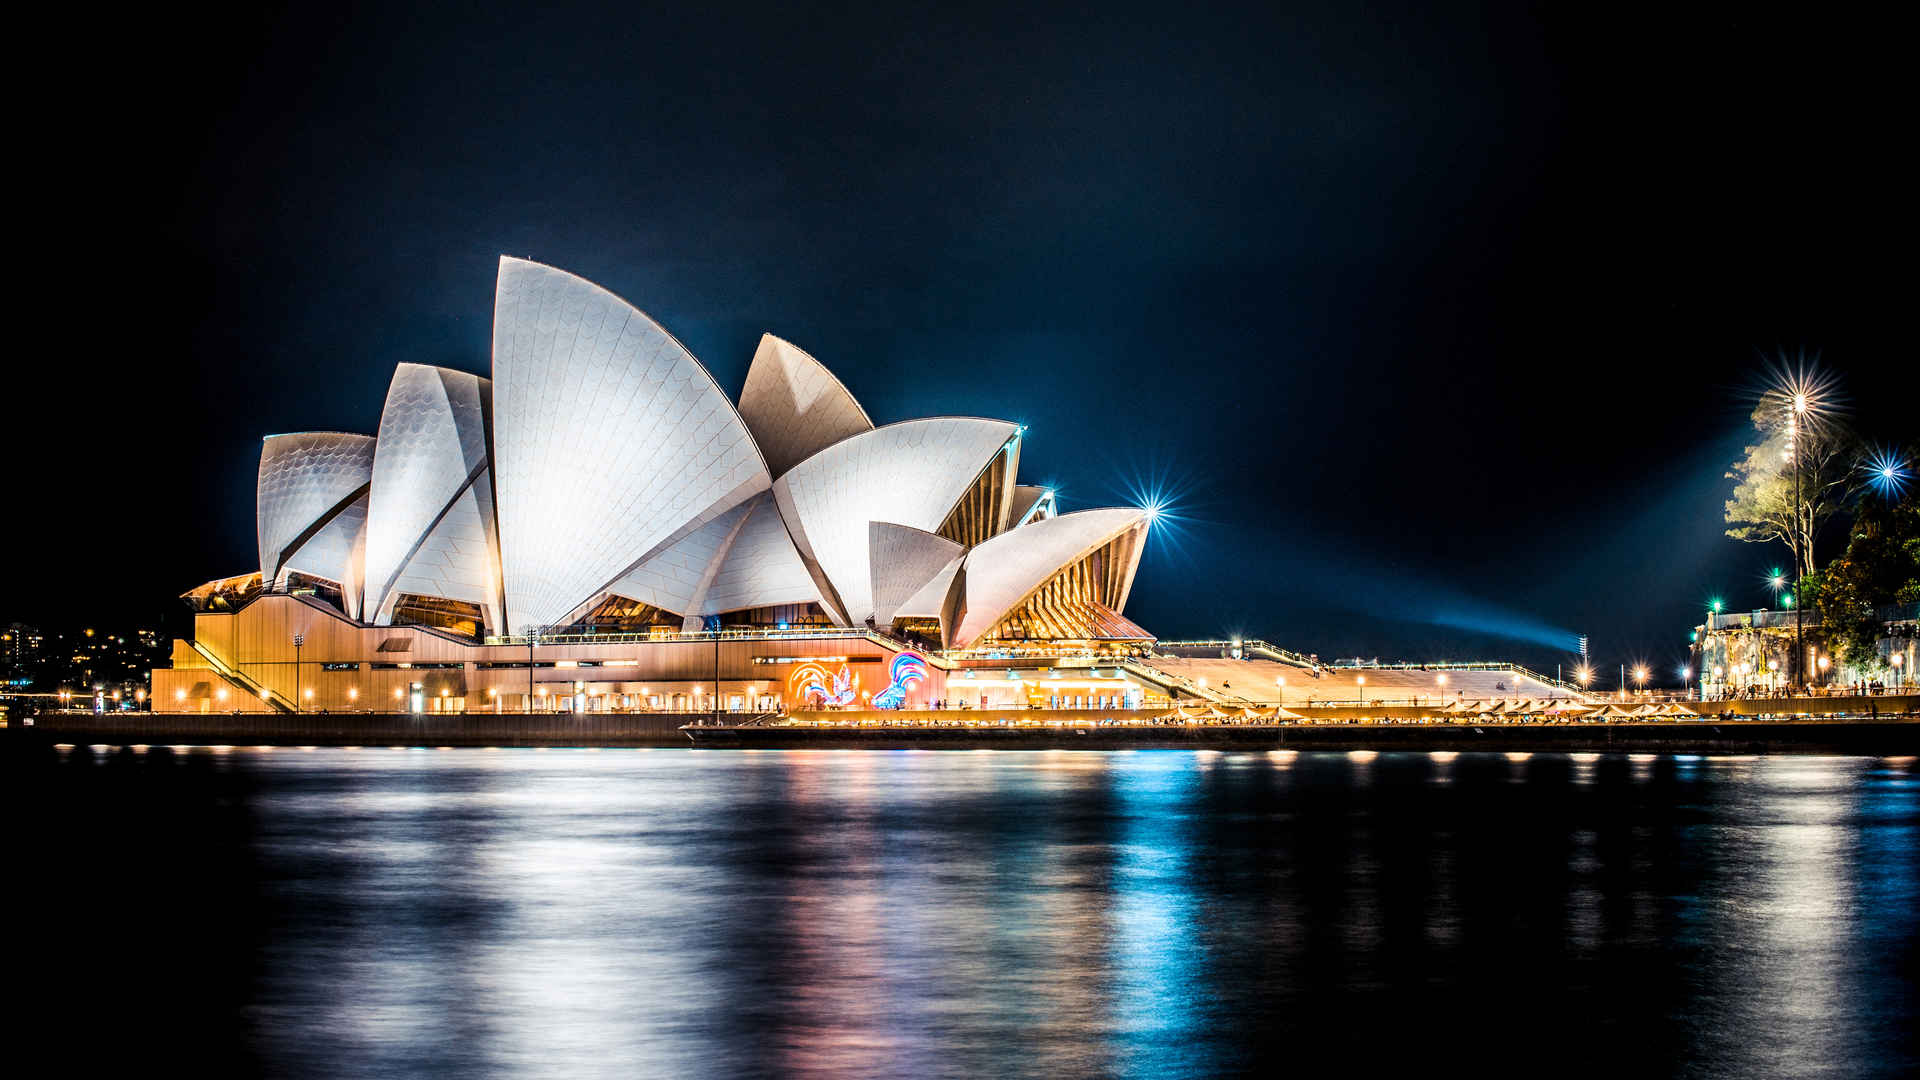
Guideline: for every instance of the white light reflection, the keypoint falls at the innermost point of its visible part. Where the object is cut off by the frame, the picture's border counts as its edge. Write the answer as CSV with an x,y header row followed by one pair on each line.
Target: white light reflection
x,y
1158,959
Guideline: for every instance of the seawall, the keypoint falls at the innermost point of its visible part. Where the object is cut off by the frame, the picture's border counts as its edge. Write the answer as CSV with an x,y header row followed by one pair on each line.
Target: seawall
x,y
1880,737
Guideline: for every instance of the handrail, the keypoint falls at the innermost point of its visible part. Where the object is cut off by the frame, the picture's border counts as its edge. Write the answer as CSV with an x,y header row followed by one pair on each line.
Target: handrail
x,y
1246,645
1164,677
234,675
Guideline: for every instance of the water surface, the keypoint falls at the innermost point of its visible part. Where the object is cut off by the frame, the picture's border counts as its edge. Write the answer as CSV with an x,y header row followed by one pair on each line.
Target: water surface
x,y
574,913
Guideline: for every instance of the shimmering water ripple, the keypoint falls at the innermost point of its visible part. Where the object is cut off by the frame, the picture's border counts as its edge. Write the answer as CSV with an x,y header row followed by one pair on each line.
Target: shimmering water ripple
x,y
573,913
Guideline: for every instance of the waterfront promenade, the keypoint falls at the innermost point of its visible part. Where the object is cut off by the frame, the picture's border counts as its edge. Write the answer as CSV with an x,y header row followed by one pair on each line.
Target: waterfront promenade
x,y
1885,724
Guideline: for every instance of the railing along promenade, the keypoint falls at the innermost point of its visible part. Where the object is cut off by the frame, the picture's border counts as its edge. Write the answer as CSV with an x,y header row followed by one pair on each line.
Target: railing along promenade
x,y
821,633
1770,619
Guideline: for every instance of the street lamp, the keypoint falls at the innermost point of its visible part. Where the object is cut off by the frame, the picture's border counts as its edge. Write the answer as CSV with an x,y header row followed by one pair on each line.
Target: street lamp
x,y
1793,446
1441,680
1362,681
1640,678
1686,681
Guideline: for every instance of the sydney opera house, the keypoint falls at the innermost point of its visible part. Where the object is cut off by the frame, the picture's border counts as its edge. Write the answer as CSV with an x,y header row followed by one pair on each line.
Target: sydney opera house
x,y
600,526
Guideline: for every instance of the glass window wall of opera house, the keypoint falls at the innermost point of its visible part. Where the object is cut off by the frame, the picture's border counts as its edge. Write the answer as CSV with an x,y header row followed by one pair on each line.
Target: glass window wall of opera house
x,y
599,527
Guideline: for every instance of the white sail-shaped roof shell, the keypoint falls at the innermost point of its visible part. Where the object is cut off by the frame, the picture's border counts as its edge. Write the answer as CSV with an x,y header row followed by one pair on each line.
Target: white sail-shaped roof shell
x,y
1030,503
903,559
932,600
761,568
674,579
610,441
431,453
457,560
337,552
305,479
1006,569
794,406
910,473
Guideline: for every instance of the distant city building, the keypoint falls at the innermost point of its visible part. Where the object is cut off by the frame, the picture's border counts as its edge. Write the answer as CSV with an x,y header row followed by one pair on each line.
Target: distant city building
x,y
1752,652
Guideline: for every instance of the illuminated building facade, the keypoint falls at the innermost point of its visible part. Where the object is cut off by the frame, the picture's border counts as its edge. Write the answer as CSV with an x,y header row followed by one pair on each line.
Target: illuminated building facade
x,y
599,526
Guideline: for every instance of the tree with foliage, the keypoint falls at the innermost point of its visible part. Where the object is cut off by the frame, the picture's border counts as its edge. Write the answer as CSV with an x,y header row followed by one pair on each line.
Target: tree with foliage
x,y
1879,569
1764,507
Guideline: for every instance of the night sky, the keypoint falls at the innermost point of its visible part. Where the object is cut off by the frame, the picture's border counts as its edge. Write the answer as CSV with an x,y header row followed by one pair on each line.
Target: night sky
x,y
1438,328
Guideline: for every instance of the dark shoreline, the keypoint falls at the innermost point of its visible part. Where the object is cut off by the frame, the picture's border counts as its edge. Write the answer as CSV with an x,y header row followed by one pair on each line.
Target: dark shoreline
x,y
1878,737
1810,736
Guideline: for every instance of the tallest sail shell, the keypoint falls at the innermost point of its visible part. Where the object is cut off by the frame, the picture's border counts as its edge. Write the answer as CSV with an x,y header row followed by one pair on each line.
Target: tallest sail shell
x,y
610,440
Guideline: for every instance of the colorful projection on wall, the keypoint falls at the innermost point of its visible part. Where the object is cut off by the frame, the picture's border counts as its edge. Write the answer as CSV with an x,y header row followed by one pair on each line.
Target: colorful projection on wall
x,y
907,671
818,688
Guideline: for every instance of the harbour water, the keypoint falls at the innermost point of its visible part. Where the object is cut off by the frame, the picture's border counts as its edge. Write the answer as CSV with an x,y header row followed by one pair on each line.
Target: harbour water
x,y
576,913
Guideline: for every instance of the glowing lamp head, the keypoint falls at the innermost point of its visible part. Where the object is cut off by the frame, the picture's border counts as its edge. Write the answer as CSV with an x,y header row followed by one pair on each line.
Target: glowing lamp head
x,y
1716,606
1799,403
1778,580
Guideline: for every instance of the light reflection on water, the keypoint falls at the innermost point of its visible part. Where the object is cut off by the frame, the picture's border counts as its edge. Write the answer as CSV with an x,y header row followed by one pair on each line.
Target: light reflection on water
x,y
834,913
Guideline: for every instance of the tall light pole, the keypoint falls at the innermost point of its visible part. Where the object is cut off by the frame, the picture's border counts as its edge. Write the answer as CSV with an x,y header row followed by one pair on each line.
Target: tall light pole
x,y
298,640
1793,436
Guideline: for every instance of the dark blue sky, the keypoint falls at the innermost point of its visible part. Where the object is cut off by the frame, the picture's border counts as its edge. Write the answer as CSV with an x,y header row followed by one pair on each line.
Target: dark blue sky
x,y
1435,324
